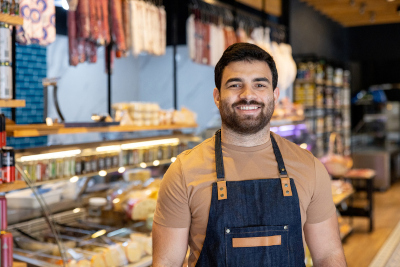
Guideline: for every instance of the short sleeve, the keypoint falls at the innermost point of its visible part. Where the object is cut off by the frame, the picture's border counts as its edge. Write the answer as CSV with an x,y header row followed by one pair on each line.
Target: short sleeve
x,y
321,206
172,204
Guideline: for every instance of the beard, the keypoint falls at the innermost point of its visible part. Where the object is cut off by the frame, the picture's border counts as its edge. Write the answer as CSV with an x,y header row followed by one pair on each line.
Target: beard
x,y
246,124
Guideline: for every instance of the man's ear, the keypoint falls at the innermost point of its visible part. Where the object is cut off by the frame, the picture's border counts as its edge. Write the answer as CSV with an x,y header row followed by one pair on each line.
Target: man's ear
x,y
217,97
276,95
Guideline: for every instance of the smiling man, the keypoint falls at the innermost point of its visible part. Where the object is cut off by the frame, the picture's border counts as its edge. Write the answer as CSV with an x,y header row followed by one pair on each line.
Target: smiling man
x,y
246,197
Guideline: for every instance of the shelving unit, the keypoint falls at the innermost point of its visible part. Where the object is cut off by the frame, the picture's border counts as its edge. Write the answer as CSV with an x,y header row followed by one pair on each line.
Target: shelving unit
x,y
337,199
12,103
33,130
13,20
324,91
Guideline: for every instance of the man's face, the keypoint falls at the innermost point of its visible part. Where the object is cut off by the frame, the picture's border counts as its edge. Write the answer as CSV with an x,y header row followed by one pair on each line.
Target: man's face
x,y
247,100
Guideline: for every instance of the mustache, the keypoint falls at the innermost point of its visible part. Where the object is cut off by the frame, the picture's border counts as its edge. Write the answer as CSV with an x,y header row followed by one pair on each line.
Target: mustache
x,y
244,102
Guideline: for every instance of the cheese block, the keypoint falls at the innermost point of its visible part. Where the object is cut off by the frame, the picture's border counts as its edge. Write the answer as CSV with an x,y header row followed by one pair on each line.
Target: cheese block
x,y
115,256
72,263
84,263
144,241
98,261
134,251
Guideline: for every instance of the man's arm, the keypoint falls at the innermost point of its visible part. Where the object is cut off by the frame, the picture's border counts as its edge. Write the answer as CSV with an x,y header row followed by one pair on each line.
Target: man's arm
x,y
169,245
324,242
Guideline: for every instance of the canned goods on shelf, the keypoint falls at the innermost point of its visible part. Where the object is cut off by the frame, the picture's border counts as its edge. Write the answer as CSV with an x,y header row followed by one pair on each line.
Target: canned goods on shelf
x,y
8,164
5,43
3,134
3,213
6,249
6,90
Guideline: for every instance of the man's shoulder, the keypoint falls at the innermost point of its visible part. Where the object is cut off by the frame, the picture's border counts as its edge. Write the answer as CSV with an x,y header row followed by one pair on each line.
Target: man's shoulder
x,y
203,150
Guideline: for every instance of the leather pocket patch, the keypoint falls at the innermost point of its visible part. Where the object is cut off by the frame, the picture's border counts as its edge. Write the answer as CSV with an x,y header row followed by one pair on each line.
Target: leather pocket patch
x,y
263,241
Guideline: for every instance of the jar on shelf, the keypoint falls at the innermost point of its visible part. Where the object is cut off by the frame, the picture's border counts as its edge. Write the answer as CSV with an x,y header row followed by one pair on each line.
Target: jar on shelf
x,y
67,168
115,160
87,165
78,165
95,208
72,166
52,169
94,164
101,162
59,168
108,161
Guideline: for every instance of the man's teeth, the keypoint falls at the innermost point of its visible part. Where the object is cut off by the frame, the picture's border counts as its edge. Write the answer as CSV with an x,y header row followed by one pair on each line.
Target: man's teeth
x,y
247,107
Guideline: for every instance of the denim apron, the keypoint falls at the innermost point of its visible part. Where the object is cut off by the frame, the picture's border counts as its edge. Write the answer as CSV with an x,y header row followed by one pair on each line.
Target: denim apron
x,y
254,222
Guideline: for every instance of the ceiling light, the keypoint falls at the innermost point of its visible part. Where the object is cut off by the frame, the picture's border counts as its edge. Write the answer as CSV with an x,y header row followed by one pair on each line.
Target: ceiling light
x,y
173,159
362,8
61,154
121,169
102,173
390,0
76,210
64,4
372,16
143,165
156,162
74,179
169,141
108,148
303,146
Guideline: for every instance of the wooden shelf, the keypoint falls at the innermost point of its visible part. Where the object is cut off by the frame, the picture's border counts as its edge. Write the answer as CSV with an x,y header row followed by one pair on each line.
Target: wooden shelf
x,y
13,20
12,103
345,230
337,199
13,186
32,130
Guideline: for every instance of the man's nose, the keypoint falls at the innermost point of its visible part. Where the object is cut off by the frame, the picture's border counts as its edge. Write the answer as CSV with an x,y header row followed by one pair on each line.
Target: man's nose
x,y
247,93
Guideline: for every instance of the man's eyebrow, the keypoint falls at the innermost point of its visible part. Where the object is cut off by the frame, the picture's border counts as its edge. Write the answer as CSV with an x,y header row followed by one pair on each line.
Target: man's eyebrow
x,y
233,80
263,79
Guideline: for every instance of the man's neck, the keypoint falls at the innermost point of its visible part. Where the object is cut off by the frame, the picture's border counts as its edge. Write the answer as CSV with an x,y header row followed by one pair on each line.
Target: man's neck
x,y
247,140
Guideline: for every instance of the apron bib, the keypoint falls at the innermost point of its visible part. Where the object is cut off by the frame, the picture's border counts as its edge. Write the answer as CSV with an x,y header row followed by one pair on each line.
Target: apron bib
x,y
254,222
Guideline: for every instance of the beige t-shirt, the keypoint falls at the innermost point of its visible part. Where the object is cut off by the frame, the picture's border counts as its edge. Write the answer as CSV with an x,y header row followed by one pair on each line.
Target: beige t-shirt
x,y
185,195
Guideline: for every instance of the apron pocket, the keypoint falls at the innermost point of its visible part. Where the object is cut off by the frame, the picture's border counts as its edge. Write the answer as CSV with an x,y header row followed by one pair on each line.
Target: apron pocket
x,y
257,246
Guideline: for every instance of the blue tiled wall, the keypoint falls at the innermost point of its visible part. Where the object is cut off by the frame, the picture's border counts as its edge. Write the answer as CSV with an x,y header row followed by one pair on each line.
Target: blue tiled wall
x,y
31,69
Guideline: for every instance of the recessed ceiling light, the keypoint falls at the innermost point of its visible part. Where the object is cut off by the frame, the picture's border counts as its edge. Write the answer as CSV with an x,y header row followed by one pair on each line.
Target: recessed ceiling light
x,y
362,8
372,16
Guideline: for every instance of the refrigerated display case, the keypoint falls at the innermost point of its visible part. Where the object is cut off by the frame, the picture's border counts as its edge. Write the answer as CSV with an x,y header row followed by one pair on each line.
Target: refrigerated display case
x,y
89,204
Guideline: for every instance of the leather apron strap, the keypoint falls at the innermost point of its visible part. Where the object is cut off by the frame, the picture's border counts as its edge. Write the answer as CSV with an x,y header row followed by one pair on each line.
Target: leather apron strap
x,y
219,162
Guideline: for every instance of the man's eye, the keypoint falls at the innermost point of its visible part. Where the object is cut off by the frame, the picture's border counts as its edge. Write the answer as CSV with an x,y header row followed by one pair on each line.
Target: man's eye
x,y
260,85
234,85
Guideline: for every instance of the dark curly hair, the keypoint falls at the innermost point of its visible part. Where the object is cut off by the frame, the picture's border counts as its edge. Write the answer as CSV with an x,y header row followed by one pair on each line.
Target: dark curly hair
x,y
244,52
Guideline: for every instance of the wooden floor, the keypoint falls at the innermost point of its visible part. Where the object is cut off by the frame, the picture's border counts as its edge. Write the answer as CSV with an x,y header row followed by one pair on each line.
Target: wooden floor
x,y
361,247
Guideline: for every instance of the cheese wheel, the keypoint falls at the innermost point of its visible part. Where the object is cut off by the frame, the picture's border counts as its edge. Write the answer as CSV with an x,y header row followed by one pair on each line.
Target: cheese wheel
x,y
72,263
115,256
98,261
134,251
108,257
84,263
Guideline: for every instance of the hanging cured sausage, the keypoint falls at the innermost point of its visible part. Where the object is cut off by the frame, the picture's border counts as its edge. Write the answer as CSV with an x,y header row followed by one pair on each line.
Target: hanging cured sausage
x,y
131,25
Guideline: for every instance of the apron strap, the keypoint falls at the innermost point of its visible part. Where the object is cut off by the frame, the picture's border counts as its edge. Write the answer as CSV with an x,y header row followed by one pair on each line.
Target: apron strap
x,y
279,159
283,175
219,162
